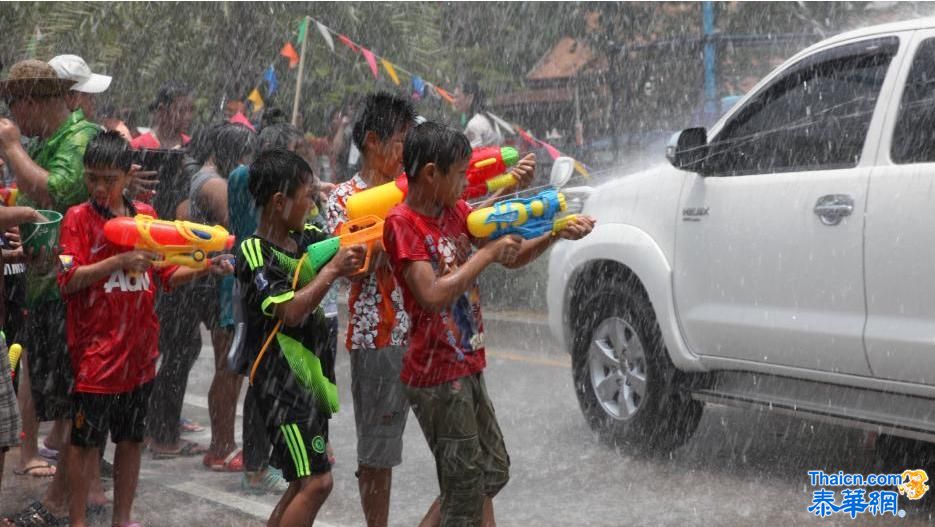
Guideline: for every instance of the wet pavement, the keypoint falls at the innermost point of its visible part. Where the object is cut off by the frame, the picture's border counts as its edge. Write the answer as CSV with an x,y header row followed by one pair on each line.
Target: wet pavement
x,y
742,467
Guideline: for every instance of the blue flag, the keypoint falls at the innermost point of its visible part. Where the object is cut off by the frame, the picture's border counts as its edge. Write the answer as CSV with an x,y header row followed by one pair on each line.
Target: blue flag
x,y
271,83
418,85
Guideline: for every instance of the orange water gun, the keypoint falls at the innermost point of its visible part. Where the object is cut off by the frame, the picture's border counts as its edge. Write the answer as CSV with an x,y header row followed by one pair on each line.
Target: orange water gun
x,y
177,242
487,172
367,230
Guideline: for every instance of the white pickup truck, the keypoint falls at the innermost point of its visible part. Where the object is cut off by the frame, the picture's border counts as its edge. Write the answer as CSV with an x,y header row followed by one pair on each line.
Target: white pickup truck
x,y
785,259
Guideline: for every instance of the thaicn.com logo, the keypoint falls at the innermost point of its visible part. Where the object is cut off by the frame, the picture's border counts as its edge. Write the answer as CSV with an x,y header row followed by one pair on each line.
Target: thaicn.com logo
x,y
859,495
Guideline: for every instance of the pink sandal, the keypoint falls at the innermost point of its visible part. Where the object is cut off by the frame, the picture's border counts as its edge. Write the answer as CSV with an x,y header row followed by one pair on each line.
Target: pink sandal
x,y
232,463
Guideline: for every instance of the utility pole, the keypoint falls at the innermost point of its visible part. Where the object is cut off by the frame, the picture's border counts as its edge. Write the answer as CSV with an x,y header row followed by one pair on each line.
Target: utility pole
x,y
298,77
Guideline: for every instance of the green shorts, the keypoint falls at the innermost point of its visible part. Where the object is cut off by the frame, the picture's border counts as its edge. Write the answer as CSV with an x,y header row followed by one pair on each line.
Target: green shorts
x,y
461,428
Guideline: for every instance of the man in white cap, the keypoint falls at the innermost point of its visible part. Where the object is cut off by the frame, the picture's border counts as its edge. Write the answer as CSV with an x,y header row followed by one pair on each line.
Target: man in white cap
x,y
87,84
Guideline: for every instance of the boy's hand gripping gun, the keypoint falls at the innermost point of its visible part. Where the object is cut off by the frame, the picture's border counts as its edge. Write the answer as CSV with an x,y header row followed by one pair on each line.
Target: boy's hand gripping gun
x,y
367,230
178,242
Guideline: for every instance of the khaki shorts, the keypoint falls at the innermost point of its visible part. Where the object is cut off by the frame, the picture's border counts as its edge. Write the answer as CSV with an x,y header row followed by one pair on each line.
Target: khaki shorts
x,y
380,405
461,428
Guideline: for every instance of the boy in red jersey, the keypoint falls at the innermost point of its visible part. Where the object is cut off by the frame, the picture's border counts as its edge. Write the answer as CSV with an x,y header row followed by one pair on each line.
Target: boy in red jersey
x,y
111,326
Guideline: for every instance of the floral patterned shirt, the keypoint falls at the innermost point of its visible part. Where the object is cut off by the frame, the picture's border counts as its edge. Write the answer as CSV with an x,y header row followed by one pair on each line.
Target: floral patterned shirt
x,y
377,316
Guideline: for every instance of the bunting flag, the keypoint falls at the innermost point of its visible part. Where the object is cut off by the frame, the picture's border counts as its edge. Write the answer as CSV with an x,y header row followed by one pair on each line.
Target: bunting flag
x,y
371,60
347,42
303,29
553,152
445,95
289,52
256,99
526,137
582,169
418,85
271,83
390,70
325,34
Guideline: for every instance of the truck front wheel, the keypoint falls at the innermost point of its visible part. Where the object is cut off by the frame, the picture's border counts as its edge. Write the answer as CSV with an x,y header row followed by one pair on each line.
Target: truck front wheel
x,y
628,389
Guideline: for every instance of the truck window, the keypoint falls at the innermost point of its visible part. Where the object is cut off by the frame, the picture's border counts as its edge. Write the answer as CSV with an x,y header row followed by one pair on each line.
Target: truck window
x,y
914,135
815,116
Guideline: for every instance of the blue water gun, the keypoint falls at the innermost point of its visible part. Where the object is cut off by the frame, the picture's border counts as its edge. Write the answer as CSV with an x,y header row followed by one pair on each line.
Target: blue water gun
x,y
526,217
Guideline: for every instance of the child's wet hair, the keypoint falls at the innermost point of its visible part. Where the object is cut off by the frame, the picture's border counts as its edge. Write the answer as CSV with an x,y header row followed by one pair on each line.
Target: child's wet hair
x,y
384,114
436,143
277,170
109,150
169,92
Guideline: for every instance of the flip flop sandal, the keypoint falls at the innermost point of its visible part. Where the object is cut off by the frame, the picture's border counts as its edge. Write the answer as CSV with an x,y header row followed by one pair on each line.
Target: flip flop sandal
x,y
188,449
188,426
36,515
48,453
31,469
232,463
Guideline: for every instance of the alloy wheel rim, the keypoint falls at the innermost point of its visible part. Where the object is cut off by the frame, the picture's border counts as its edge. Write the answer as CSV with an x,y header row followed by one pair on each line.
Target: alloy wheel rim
x,y
617,366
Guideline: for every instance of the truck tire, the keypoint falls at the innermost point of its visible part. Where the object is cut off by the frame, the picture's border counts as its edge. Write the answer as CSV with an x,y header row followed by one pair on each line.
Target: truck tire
x,y
629,391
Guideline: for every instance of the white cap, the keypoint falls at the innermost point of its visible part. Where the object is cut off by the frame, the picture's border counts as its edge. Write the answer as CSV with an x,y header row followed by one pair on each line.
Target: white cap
x,y
74,68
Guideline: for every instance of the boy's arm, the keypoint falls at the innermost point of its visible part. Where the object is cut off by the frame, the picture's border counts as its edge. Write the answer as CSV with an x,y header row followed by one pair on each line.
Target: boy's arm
x,y
220,265
529,250
436,292
30,177
87,275
294,311
215,196
13,216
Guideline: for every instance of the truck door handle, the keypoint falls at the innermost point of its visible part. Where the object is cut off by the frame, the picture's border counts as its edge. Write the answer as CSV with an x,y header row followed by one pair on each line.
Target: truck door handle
x,y
833,208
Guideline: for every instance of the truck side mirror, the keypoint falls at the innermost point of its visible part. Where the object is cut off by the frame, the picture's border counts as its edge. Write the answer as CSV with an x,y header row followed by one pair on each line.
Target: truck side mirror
x,y
688,149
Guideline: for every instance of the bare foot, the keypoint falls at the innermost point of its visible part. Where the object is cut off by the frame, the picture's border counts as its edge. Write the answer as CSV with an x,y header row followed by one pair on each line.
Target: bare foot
x,y
35,467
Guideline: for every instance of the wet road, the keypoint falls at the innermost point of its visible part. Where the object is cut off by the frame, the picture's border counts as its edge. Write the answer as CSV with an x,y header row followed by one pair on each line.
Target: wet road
x,y
743,467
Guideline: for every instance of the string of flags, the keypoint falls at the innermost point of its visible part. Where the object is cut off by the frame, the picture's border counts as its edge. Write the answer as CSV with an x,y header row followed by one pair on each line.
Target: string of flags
x,y
420,88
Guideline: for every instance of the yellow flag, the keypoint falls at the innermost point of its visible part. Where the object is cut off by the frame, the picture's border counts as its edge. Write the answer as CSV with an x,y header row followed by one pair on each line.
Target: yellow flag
x,y
581,170
390,70
256,99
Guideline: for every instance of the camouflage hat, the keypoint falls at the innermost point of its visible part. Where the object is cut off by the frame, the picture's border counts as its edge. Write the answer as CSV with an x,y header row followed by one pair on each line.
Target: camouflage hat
x,y
33,78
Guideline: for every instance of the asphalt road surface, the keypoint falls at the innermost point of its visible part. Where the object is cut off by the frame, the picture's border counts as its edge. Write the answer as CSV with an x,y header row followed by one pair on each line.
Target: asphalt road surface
x,y
742,467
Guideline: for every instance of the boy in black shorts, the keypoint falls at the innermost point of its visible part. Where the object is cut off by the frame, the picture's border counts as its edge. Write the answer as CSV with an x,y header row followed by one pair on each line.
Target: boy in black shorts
x,y
111,325
291,368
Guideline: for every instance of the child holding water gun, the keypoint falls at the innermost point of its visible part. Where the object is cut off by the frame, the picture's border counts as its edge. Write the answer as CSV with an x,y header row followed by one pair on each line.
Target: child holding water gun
x,y
9,410
377,323
111,326
430,249
291,370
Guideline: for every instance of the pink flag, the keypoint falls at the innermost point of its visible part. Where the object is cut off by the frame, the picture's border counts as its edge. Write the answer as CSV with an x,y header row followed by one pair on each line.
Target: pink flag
x,y
372,61
553,152
526,137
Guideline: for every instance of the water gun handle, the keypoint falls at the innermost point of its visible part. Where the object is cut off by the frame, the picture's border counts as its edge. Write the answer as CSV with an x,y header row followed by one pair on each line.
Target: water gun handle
x,y
501,181
15,352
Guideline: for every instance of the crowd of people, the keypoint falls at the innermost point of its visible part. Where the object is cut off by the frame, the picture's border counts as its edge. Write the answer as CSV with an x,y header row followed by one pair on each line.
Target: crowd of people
x,y
110,335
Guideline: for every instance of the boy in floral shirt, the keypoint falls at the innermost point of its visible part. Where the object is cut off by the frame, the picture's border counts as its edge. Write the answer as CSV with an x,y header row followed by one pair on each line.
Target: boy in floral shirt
x,y
378,325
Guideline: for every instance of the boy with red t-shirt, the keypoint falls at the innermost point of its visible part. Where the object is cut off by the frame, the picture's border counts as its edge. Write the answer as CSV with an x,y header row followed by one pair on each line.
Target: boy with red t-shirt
x,y
111,326
427,241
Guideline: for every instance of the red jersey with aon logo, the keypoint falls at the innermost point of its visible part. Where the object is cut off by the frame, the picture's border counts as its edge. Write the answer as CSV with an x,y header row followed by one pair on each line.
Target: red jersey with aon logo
x,y
111,326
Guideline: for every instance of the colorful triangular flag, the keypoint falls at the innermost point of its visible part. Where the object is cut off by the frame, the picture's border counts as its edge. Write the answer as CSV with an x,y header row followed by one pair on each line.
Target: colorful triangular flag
x,y
271,83
371,60
325,34
390,70
418,85
303,29
289,52
347,42
582,169
256,99
526,137
553,152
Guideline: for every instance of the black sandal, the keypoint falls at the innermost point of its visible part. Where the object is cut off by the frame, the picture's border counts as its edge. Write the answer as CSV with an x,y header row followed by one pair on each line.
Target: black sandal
x,y
36,515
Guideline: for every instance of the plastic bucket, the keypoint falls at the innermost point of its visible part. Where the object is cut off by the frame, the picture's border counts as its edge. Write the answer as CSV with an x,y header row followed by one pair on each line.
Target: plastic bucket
x,y
35,236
